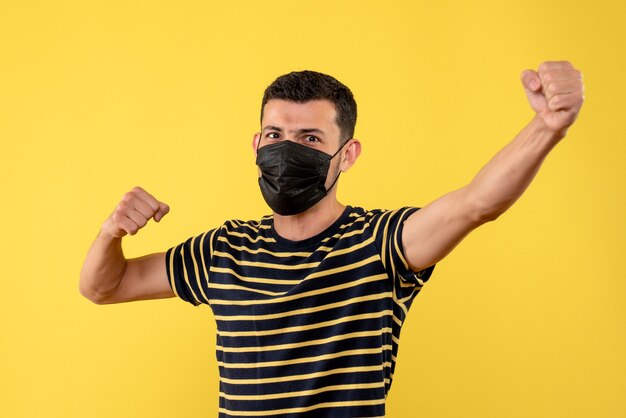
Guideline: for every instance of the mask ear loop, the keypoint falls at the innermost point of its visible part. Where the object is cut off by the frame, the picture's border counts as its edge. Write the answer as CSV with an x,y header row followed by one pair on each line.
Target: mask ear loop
x,y
343,145
336,178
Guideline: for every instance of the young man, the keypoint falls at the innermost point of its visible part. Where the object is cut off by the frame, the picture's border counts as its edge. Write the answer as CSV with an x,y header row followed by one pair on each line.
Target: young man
x,y
309,301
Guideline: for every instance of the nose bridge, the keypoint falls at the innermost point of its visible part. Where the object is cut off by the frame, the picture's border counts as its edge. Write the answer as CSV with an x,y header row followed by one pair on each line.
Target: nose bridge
x,y
288,135
290,131
263,143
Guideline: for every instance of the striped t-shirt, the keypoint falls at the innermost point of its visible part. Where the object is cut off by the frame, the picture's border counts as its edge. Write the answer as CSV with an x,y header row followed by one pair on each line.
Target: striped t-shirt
x,y
304,328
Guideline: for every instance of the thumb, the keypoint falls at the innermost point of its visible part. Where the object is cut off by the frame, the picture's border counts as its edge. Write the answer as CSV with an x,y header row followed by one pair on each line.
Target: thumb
x,y
531,81
163,210
532,86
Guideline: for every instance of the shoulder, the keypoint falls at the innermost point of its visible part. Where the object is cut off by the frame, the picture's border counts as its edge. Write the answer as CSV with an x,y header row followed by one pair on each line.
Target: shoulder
x,y
246,226
252,231
359,213
380,217
359,218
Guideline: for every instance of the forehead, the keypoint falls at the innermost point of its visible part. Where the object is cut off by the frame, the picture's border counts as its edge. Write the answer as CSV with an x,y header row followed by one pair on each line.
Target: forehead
x,y
313,114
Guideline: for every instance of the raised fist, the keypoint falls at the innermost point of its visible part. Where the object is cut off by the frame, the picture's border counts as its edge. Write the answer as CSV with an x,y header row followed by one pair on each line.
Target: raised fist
x,y
555,92
133,213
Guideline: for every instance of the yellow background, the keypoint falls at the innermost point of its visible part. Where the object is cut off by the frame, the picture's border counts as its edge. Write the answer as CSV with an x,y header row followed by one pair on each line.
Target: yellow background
x,y
525,318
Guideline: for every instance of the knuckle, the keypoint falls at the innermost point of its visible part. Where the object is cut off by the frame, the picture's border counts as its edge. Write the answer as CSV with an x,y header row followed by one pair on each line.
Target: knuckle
x,y
122,207
552,88
117,218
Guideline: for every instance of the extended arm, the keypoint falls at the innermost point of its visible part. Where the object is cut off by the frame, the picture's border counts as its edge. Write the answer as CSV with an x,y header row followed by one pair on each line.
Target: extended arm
x,y
431,233
107,276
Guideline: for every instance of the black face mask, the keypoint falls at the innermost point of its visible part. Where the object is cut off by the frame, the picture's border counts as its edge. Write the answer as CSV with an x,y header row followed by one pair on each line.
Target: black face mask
x,y
293,176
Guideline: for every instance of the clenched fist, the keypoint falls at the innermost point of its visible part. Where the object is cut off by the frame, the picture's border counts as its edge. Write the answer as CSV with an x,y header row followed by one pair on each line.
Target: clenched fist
x,y
133,213
555,92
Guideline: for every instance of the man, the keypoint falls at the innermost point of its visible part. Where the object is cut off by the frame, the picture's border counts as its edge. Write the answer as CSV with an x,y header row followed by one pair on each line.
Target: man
x,y
309,301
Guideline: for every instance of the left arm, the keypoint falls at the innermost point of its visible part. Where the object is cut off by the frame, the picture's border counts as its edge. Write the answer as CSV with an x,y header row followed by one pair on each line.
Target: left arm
x,y
555,92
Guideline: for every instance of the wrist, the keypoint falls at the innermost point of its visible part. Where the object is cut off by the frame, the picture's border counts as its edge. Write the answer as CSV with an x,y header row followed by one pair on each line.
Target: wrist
x,y
550,134
545,136
107,233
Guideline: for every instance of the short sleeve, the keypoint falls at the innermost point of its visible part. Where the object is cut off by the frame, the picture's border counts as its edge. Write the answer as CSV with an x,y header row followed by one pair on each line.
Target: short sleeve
x,y
188,265
388,226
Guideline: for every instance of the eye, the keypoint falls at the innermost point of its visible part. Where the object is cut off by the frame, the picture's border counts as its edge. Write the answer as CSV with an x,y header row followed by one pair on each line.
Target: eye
x,y
312,138
269,135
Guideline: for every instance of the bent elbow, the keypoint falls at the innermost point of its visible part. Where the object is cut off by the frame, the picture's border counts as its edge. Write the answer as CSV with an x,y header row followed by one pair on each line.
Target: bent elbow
x,y
91,295
490,216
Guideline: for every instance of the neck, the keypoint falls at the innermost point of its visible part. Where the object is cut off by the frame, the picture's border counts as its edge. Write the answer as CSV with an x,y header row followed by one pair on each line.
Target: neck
x,y
310,222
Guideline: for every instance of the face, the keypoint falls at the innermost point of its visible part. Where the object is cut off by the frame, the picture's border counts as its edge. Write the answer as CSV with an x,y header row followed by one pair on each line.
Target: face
x,y
311,123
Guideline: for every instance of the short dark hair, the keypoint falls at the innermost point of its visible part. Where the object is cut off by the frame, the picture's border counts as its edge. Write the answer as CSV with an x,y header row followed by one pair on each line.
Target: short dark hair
x,y
303,86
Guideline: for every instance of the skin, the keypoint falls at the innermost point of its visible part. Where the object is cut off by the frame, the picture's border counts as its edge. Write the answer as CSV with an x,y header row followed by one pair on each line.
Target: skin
x,y
554,91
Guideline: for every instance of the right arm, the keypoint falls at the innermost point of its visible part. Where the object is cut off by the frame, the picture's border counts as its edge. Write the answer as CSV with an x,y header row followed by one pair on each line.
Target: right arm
x,y
107,276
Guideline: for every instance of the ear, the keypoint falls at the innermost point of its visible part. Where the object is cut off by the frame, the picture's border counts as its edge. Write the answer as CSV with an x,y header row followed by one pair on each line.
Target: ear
x,y
351,153
255,142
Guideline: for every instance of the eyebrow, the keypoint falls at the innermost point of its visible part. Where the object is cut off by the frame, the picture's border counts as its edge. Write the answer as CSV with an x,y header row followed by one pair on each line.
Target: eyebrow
x,y
298,131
